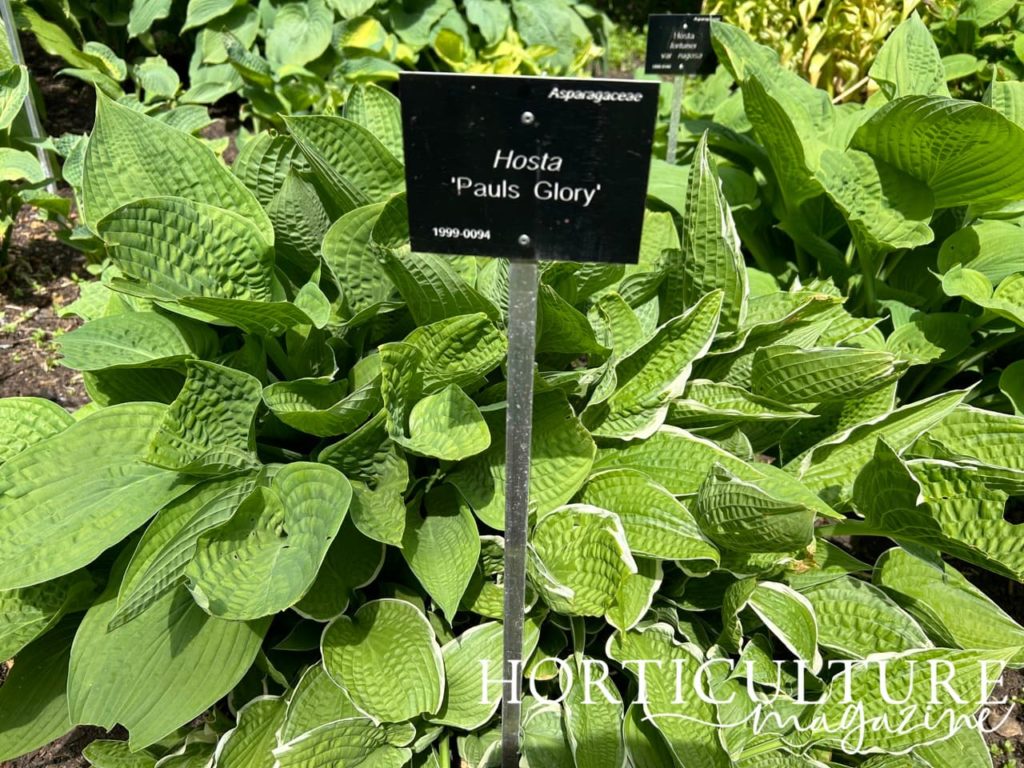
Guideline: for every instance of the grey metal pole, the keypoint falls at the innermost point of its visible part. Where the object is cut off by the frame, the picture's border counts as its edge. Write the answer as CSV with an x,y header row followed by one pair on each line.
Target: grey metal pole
x,y
522,344
678,89
34,123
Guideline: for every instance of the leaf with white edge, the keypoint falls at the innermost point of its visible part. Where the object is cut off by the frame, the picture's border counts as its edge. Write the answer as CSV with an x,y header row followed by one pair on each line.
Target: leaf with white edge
x,y
170,248
250,744
579,559
818,375
353,741
650,378
29,612
33,699
958,148
709,403
636,594
948,606
265,559
379,111
169,543
136,340
107,753
831,467
81,493
448,426
856,619
210,423
967,749
442,546
974,435
657,525
687,723
743,516
562,451
909,64
593,717
353,561
124,152
790,616
123,675
315,701
387,659
645,746
25,421
465,659
562,330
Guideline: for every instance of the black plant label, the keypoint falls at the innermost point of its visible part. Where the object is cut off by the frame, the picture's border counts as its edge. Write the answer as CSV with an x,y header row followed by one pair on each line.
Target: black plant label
x,y
680,44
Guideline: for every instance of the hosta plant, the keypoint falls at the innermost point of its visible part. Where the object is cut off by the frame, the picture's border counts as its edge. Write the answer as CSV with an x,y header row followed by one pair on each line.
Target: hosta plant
x,y
274,538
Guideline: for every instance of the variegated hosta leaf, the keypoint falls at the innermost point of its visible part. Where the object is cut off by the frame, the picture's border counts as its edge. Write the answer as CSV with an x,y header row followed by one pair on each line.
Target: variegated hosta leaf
x,y
949,607
169,544
267,556
352,561
209,426
688,722
387,659
442,547
857,620
975,675
825,562
131,156
655,374
250,744
467,659
973,435
353,741
593,716
29,612
171,248
486,592
819,375
645,746
967,749
656,524
636,594
136,340
107,753
580,559
708,403
123,675
544,741
322,407
25,421
562,455
316,701
81,494
790,617
745,516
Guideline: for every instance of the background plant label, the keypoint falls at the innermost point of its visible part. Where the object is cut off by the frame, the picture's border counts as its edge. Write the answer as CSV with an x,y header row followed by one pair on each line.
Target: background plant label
x,y
680,44
527,167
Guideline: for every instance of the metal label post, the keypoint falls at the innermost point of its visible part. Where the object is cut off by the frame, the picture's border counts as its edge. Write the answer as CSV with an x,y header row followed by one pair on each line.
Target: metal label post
x,y
678,89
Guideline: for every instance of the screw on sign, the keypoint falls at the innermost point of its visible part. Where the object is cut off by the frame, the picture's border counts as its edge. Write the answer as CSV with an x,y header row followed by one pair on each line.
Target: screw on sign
x,y
525,168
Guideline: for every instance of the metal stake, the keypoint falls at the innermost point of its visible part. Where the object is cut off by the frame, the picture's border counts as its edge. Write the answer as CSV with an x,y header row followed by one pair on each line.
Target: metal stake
x,y
522,344
678,89
35,126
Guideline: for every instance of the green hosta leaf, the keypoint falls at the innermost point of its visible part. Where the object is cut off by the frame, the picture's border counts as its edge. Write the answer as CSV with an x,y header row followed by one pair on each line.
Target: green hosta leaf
x,y
645,745
202,12
707,403
544,740
380,113
745,516
301,32
459,350
30,612
927,338
857,620
136,340
323,407
968,166
268,555
593,717
909,64
790,617
264,163
387,659
169,248
107,753
554,25
819,375
967,749
981,436
432,288
81,494
635,595
447,426
145,13
655,374
711,258
352,561
209,426
656,524
686,722
832,466
169,544
1007,98
562,455
14,84
353,165
1007,300
580,559
346,250
949,607
562,330
261,318
316,700
352,741
465,660
989,247
300,221
491,17
251,742
33,699
25,421
123,675
126,146
442,547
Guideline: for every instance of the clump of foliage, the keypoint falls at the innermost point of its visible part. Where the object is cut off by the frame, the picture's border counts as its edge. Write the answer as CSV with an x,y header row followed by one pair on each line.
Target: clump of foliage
x,y
305,56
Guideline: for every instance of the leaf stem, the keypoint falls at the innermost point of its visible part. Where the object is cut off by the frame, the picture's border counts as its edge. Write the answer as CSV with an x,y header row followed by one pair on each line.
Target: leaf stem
x,y
445,751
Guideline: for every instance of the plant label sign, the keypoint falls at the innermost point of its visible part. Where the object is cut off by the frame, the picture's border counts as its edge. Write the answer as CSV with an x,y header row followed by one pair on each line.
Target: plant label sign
x,y
527,167
680,44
